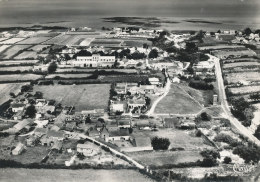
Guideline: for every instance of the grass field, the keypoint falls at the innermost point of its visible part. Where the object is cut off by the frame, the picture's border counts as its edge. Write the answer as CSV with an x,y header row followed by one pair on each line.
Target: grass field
x,y
17,62
69,39
34,40
245,89
240,64
83,97
12,51
83,175
246,76
5,90
68,76
38,48
167,157
26,55
16,68
19,77
177,102
4,47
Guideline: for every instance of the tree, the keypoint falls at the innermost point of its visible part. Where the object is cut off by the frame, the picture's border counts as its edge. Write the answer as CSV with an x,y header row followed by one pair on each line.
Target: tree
x,y
30,111
227,160
257,132
247,31
52,67
139,64
205,117
153,54
88,120
191,47
160,143
12,94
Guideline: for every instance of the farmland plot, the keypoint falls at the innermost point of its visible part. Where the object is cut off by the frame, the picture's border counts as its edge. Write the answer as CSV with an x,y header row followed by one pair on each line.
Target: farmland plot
x,y
240,64
5,90
106,42
19,77
17,62
4,47
68,76
12,40
34,40
245,89
83,97
26,55
2,39
70,40
246,76
16,68
38,48
12,51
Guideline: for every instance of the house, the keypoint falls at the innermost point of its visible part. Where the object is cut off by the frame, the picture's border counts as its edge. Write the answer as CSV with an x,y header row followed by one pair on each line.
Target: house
x,y
70,126
18,115
121,89
119,134
136,103
93,132
16,107
147,89
104,134
225,37
31,141
94,61
117,106
21,125
170,122
51,137
57,146
18,149
154,81
86,149
93,113
175,80
124,123
40,131
41,123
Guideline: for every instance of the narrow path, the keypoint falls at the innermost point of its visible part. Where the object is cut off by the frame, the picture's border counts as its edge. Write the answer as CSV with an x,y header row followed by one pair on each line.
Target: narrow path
x,y
224,104
167,89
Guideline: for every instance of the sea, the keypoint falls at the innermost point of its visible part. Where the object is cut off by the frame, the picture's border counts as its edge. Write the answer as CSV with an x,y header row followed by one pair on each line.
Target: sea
x,y
90,13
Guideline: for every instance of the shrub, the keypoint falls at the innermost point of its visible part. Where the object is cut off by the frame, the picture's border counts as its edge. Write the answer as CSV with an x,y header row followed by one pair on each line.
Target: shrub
x,y
227,160
248,153
160,143
205,117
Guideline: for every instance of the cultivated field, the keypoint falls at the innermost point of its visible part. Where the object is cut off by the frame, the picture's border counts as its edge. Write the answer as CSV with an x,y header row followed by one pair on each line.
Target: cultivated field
x,y
137,42
70,40
241,60
26,55
2,39
5,90
245,89
16,68
240,64
34,40
4,47
19,77
17,62
106,42
39,48
43,175
12,51
12,40
88,70
177,102
83,97
246,76
67,76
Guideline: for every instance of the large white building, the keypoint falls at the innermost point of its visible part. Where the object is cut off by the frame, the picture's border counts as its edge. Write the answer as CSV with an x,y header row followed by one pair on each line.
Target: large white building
x,y
94,61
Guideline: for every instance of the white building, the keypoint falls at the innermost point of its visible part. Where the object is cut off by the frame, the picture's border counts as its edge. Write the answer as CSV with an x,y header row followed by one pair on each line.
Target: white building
x,y
94,61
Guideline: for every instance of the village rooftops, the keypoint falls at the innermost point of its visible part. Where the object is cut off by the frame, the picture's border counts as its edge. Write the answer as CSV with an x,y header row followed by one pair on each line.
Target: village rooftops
x,y
56,134
17,105
83,146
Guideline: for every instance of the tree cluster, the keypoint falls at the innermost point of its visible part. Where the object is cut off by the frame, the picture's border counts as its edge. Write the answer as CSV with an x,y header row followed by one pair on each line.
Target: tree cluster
x,y
201,85
248,153
160,143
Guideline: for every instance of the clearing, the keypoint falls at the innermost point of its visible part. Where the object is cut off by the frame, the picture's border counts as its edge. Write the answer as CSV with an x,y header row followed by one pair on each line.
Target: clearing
x,y
83,97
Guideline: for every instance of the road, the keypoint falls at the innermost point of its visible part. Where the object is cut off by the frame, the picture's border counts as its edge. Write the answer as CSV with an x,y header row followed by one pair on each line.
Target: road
x,y
224,104
167,89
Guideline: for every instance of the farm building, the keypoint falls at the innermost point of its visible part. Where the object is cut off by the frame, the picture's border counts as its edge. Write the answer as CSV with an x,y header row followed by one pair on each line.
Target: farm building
x,y
18,149
17,107
154,81
94,61
114,133
117,106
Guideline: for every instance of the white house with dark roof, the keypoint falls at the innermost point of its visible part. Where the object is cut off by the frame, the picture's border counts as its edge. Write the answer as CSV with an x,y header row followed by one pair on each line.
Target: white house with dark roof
x,y
95,60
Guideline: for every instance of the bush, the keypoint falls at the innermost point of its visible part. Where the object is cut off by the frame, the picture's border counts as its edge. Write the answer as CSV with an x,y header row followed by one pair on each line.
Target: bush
x,y
248,153
227,160
205,117
160,143
52,67
201,85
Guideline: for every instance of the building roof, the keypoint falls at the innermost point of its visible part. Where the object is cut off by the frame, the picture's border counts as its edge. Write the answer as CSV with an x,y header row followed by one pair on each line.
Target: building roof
x,y
41,130
83,146
119,132
21,124
137,101
57,134
153,79
57,145
17,105
93,132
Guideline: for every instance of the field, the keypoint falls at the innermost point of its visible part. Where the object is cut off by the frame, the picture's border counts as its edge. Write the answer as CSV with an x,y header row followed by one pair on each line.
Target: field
x,y
17,62
177,102
39,48
5,89
4,47
34,40
241,60
88,70
3,38
137,42
26,55
12,51
240,64
83,97
246,76
43,175
67,76
123,78
106,42
245,89
12,40
70,40
165,158
19,77
16,68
